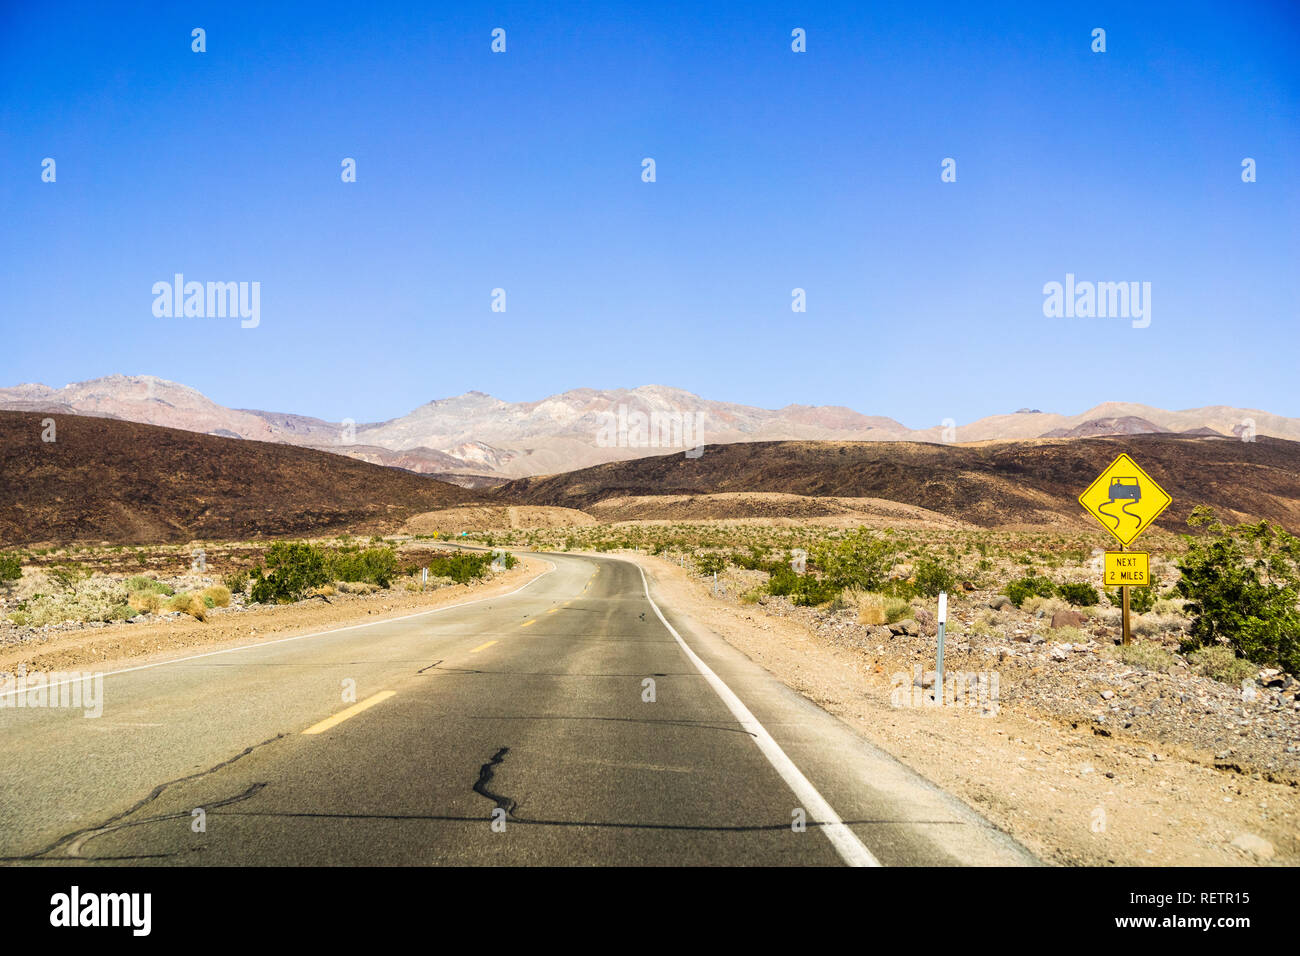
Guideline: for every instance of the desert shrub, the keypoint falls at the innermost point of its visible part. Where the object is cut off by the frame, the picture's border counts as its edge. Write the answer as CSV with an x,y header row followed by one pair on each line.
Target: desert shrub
x,y
97,598
218,594
931,577
372,565
145,601
804,590
1022,588
859,559
294,567
1147,655
710,563
871,607
188,602
11,567
360,587
236,581
781,581
139,582
1067,635
1043,606
1079,593
1140,600
462,567
1168,606
1221,664
810,591
1243,584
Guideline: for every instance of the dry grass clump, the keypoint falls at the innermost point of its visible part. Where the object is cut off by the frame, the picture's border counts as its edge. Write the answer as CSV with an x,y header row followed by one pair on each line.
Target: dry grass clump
x,y
189,603
1067,635
359,587
874,609
216,595
145,602
1148,625
1148,655
1047,605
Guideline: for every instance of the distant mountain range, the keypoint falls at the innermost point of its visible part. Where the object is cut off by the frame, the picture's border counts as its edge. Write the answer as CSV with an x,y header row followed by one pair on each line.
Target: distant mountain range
x,y
477,440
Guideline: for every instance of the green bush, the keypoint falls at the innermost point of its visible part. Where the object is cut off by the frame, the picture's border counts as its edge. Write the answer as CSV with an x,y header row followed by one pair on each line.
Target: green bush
x,y
1022,588
710,563
373,565
1140,600
11,567
1079,594
802,589
857,560
461,567
1243,585
930,577
295,567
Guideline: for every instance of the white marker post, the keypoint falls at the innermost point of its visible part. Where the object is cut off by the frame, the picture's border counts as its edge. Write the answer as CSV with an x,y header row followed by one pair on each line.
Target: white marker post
x,y
938,673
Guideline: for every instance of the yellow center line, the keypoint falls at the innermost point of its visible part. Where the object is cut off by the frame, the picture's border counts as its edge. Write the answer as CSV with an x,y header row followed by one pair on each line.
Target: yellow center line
x,y
528,623
552,610
481,646
352,711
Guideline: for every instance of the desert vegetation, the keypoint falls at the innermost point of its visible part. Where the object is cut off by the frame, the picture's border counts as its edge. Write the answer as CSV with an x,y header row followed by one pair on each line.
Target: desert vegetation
x,y
89,585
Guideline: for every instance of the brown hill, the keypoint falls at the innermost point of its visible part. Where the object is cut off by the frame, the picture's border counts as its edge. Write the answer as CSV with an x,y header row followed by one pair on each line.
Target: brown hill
x,y
1000,484
116,481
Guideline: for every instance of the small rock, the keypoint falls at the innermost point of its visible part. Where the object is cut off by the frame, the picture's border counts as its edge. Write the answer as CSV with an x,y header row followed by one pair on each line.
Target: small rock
x,y
1067,619
999,602
1107,694
1255,845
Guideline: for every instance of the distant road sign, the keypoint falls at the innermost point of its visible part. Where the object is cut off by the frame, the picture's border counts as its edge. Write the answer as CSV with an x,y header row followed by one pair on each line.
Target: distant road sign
x,y
1127,569
1125,499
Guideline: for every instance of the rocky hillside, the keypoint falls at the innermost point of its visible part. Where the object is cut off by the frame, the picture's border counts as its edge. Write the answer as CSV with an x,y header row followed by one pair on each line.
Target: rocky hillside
x,y
1005,484
122,482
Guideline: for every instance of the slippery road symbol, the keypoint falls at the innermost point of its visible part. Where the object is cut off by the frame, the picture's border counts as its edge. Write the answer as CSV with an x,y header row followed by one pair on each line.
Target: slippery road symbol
x,y
1127,490
1125,499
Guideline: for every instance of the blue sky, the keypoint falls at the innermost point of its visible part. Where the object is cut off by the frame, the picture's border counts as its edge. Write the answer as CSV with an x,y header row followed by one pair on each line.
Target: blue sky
x,y
775,170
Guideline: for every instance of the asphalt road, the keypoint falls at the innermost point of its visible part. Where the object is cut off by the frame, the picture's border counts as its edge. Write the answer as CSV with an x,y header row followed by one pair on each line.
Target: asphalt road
x,y
514,730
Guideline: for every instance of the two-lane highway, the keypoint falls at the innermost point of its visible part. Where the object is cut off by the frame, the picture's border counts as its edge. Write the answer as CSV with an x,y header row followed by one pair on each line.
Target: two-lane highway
x,y
574,721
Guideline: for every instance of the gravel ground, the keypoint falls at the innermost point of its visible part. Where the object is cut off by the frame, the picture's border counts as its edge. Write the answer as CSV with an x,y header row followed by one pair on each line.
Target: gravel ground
x,y
1086,759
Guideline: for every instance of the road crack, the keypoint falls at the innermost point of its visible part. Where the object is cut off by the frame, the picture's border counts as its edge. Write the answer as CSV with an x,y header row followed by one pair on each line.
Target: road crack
x,y
116,821
485,774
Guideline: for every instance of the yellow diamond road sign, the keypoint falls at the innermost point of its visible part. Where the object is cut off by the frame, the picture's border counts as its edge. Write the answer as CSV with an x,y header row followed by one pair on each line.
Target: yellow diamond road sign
x,y
1125,499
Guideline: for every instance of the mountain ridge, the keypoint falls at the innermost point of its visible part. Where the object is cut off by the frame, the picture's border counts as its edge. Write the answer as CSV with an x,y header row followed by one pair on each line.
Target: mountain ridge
x,y
477,434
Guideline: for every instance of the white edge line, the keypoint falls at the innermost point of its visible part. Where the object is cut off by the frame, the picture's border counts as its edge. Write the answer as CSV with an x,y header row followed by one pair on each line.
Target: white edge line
x,y
852,850
296,637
